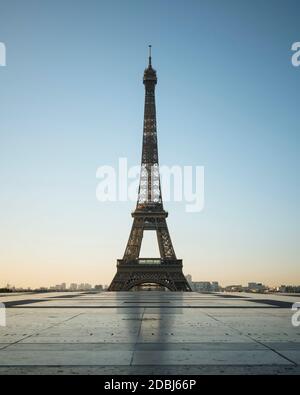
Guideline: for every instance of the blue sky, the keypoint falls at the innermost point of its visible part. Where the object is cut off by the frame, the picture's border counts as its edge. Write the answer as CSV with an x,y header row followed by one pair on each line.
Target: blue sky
x,y
71,100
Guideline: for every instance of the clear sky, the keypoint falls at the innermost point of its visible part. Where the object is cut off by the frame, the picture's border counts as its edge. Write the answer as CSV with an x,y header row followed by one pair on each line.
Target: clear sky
x,y
71,99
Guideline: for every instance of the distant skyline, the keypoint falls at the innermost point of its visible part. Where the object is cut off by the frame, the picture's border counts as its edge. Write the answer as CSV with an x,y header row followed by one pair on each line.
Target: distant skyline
x,y
72,100
86,286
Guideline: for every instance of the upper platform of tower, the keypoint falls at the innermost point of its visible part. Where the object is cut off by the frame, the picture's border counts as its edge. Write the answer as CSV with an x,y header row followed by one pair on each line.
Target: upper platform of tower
x,y
150,73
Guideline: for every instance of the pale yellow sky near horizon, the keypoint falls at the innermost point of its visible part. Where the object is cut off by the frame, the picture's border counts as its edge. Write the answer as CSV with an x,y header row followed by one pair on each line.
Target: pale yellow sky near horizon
x,y
84,263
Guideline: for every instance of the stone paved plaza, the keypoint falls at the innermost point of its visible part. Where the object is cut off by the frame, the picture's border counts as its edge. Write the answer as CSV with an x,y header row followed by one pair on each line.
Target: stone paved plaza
x,y
148,333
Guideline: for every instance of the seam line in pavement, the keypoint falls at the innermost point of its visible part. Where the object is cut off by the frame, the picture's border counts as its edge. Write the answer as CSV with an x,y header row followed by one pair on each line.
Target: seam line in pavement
x,y
137,338
48,327
253,339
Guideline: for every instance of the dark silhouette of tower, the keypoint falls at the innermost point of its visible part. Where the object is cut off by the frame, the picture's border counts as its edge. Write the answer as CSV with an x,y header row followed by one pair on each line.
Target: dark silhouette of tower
x,y
149,215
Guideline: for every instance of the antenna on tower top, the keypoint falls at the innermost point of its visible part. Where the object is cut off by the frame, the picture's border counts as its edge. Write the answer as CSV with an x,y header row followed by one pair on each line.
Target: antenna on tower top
x,y
150,46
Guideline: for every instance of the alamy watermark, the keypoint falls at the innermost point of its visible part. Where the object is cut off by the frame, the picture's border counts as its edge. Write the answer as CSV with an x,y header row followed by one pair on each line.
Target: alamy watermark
x,y
2,54
176,183
2,314
296,56
296,315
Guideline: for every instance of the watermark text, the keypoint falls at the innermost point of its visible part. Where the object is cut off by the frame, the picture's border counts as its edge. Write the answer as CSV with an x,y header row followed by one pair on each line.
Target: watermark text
x,y
149,184
2,315
2,54
296,315
296,56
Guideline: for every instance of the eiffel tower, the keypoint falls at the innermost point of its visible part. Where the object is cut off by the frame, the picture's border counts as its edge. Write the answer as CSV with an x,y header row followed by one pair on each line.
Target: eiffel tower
x,y
149,214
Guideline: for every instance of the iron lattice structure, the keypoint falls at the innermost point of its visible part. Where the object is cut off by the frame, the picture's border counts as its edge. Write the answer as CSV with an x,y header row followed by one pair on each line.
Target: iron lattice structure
x,y
149,215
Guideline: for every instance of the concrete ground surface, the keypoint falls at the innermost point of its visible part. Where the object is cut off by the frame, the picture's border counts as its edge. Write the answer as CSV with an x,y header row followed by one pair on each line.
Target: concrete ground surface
x,y
149,333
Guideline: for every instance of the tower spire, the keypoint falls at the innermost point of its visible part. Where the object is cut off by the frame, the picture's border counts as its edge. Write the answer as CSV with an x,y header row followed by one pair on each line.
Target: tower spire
x,y
150,57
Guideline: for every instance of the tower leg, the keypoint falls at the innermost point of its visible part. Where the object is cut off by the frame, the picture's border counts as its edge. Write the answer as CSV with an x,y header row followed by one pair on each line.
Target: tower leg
x,y
135,240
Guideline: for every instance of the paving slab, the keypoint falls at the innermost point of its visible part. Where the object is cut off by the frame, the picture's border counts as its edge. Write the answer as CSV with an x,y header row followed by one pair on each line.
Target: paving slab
x,y
217,357
68,358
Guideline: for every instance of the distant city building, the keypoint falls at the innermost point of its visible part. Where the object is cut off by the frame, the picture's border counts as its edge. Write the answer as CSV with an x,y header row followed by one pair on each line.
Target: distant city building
x,y
73,287
59,287
201,286
99,287
289,288
215,286
255,287
205,286
84,287
234,288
